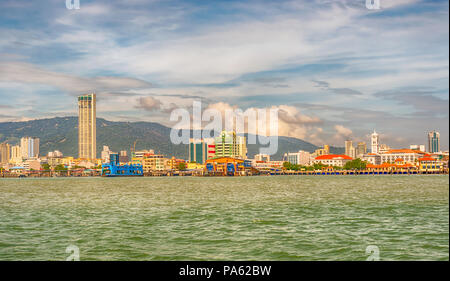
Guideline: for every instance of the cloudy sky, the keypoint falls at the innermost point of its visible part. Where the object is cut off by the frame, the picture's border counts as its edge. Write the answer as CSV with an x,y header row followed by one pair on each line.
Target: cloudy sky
x,y
334,69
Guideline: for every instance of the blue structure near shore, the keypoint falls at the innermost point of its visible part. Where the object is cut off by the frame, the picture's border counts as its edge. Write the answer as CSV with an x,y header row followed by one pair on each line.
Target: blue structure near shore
x,y
114,169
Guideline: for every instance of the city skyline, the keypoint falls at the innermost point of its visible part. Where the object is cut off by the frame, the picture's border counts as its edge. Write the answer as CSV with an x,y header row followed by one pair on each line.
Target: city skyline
x,y
281,56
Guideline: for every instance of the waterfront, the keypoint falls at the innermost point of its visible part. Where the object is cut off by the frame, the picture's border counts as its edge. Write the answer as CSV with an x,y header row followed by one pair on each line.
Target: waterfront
x,y
226,218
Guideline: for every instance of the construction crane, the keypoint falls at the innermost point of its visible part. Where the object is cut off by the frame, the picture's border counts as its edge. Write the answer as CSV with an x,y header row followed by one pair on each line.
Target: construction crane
x,y
133,149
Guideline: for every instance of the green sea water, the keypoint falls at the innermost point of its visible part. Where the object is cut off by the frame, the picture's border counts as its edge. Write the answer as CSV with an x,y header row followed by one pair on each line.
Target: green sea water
x,y
226,218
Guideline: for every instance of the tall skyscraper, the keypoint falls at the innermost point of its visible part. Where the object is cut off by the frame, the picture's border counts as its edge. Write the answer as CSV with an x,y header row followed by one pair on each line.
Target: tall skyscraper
x,y
374,142
228,144
87,129
16,154
361,149
349,149
29,147
198,150
434,142
5,153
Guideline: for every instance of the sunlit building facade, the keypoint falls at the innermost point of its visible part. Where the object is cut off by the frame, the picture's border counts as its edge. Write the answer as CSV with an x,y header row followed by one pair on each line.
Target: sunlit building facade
x,y
87,129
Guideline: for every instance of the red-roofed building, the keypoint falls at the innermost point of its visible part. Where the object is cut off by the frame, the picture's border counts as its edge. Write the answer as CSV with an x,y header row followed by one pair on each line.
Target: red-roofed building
x,y
428,164
333,160
407,155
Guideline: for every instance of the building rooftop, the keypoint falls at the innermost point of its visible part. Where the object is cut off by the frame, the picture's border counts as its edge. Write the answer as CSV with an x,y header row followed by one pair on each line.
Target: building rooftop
x,y
333,157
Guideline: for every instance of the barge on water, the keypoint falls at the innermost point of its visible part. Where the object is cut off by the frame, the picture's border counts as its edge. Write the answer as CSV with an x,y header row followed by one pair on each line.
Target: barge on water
x,y
114,169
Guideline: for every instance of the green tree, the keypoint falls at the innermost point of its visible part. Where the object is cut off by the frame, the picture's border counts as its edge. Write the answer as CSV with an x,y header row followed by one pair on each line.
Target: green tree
x,y
356,164
181,166
45,167
60,167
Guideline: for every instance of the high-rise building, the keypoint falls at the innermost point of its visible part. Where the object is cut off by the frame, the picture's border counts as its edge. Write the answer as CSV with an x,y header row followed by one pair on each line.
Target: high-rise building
x,y
374,142
105,154
16,154
198,151
434,142
29,147
228,144
361,149
5,153
349,149
87,129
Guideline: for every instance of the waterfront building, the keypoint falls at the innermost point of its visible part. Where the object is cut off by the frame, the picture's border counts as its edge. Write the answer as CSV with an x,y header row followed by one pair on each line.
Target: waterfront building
x,y
87,128
434,142
374,142
29,147
153,162
350,150
333,160
372,158
228,144
32,164
5,153
428,164
173,163
298,158
420,147
407,155
66,161
199,150
195,166
361,149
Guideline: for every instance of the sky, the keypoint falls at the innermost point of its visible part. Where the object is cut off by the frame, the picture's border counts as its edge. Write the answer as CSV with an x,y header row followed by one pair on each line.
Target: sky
x,y
335,70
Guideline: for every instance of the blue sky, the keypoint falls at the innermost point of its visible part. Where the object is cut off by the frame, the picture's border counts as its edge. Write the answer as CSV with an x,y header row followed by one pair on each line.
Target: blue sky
x,y
335,69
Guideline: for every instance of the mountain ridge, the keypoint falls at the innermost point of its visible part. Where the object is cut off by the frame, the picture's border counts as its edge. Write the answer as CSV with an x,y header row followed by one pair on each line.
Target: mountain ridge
x,y
61,133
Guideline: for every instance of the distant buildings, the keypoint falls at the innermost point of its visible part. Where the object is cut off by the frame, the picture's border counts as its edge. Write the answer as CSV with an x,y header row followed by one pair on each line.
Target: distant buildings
x,y
228,144
29,147
123,157
420,147
55,154
349,149
374,142
105,155
201,150
361,149
434,142
298,158
5,153
87,129
322,151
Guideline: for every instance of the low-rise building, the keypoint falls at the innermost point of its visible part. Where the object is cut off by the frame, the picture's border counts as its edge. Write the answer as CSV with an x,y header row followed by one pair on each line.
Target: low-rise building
x,y
372,158
429,164
408,155
333,160
298,158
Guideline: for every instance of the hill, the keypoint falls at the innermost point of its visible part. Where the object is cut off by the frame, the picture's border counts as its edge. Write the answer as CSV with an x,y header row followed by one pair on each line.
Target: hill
x,y
61,133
